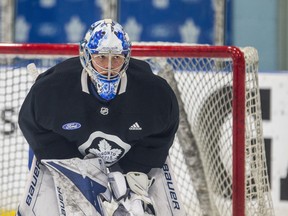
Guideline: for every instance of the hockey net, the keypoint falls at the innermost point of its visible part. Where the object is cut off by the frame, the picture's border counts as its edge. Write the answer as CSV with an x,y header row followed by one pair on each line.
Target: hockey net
x,y
218,155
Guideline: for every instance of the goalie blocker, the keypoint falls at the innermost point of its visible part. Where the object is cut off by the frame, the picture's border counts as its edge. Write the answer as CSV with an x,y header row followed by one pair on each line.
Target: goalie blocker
x,y
79,187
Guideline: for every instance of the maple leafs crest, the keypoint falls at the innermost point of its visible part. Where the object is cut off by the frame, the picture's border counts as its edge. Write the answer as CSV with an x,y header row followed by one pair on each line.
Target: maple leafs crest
x,y
106,152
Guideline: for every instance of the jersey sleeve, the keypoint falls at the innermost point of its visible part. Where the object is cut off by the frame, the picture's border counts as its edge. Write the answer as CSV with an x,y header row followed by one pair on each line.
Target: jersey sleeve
x,y
152,151
45,143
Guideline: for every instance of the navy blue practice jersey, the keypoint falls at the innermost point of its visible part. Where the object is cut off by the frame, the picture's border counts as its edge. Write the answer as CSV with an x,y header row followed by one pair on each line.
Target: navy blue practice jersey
x,y
61,118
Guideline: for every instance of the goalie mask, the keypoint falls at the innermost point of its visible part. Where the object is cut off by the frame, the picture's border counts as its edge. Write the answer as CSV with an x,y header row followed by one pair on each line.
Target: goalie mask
x,y
104,54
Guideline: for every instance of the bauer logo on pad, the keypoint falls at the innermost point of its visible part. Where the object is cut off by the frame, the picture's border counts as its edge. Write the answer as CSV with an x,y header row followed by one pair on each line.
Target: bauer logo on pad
x,y
71,126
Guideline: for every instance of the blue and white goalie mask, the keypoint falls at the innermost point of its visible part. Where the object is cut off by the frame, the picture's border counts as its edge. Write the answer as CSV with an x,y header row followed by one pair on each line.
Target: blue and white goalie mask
x,y
105,54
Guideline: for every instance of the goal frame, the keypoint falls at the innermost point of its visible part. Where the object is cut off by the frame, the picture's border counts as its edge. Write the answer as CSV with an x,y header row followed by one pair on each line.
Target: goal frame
x,y
238,101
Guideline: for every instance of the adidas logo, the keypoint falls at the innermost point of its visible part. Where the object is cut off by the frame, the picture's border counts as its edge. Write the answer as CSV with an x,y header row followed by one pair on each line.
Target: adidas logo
x,y
135,126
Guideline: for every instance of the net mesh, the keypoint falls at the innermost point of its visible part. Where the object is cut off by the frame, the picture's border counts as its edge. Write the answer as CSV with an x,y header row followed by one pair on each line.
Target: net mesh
x,y
203,149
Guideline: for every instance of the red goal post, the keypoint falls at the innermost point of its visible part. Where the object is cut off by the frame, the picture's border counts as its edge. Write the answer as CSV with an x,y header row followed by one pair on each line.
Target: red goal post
x,y
225,81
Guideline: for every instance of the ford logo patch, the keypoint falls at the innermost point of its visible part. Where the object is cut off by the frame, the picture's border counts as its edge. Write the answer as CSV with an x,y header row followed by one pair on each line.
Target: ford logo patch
x,y
71,126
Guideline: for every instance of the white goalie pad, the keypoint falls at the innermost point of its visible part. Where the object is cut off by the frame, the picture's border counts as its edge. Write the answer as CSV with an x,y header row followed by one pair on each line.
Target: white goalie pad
x,y
69,187
165,193
139,182
39,196
118,185
134,201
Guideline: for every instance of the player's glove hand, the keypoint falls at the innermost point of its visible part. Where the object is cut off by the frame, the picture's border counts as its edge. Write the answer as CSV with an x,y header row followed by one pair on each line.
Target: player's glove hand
x,y
134,200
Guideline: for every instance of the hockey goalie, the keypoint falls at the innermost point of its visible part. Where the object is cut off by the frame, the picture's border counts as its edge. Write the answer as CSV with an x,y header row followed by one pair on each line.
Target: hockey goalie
x,y
100,126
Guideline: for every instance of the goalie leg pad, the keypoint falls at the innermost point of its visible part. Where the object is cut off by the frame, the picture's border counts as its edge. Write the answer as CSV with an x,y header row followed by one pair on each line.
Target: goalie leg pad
x,y
165,193
39,197
66,187
83,185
